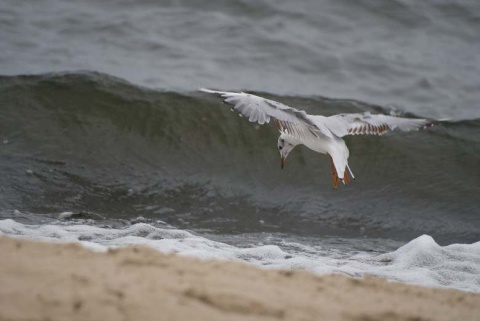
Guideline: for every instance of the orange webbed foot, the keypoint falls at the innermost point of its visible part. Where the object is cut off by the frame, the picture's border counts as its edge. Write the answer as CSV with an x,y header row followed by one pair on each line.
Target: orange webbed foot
x,y
334,174
346,178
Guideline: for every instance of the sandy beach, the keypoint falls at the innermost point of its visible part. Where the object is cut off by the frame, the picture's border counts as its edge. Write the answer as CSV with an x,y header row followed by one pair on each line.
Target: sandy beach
x,y
46,281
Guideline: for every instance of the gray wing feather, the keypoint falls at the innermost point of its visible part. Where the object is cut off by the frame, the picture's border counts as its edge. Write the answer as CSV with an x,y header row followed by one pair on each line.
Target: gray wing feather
x,y
368,124
261,110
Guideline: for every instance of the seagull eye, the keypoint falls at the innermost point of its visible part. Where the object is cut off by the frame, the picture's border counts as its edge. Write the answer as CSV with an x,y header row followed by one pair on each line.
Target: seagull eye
x,y
280,147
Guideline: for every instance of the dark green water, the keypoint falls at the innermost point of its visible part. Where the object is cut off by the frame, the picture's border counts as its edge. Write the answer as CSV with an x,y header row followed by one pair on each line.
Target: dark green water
x,y
88,142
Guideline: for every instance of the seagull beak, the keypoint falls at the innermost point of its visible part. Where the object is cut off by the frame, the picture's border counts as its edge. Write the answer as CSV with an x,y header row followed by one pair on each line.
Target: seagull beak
x,y
282,159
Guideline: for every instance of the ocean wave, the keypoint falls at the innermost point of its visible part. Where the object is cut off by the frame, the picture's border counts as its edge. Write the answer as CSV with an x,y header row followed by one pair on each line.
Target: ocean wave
x,y
90,142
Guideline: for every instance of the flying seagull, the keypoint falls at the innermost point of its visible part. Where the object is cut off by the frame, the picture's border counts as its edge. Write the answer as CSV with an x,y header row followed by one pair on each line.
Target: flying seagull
x,y
319,133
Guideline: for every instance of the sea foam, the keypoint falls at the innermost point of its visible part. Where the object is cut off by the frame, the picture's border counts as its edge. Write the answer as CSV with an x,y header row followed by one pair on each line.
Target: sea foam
x,y
421,261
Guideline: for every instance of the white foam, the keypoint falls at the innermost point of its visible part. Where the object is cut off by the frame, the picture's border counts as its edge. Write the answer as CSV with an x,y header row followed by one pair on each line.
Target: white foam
x,y
421,261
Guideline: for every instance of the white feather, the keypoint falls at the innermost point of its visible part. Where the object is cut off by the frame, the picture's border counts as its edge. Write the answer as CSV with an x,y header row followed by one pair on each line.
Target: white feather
x,y
261,110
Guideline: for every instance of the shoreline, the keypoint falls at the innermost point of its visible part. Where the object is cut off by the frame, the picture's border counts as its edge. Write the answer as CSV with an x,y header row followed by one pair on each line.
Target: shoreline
x,y
54,281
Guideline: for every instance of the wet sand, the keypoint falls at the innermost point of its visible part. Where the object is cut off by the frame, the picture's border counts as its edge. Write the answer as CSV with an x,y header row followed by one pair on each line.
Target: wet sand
x,y
45,281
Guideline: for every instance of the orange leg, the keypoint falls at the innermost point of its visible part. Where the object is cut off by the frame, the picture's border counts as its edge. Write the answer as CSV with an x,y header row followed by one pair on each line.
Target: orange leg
x,y
334,173
346,178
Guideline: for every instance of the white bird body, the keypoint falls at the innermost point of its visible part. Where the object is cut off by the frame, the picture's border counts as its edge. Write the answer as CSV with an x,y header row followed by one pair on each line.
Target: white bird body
x,y
319,133
333,146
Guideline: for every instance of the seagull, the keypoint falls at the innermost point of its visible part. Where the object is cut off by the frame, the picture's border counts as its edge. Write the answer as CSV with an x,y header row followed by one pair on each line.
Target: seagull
x,y
319,133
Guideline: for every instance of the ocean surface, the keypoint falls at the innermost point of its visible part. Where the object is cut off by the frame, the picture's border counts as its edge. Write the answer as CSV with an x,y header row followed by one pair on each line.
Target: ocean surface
x,y
105,140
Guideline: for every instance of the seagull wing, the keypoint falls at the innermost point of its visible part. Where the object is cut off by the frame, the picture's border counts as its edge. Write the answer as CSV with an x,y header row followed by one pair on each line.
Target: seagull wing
x,y
261,110
367,124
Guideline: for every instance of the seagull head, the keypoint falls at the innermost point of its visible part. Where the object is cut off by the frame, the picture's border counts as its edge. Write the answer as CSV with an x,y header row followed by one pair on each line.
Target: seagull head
x,y
285,146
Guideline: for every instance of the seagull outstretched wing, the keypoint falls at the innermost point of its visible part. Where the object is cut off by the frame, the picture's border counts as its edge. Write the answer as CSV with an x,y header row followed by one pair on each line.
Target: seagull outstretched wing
x,y
261,110
367,124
